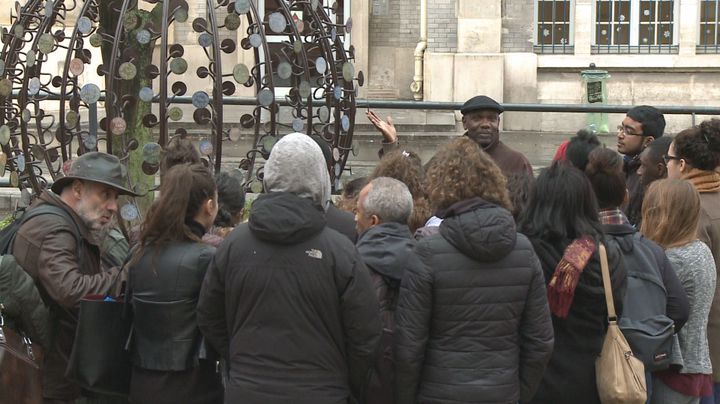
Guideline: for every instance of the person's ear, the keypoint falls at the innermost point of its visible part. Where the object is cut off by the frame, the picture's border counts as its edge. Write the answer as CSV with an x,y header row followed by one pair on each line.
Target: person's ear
x,y
684,166
661,169
647,140
374,220
77,188
463,121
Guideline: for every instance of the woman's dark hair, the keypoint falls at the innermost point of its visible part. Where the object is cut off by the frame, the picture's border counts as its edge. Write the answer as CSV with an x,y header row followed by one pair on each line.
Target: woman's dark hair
x,y
605,172
231,198
520,186
580,147
562,206
699,146
348,200
182,193
179,150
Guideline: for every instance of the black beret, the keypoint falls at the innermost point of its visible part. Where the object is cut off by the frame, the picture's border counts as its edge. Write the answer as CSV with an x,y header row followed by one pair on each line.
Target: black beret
x,y
481,102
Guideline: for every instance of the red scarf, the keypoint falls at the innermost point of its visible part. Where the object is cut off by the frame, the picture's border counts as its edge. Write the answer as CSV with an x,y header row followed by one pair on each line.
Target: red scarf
x,y
561,289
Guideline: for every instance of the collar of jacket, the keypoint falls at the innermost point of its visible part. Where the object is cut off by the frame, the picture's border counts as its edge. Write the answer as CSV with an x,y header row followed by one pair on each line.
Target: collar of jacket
x,y
285,218
704,181
53,199
385,248
461,207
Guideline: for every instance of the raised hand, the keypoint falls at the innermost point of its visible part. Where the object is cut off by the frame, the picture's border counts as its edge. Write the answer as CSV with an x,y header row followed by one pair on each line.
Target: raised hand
x,y
385,127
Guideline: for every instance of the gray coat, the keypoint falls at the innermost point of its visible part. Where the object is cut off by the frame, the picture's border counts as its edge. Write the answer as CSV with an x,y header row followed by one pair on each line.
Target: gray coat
x,y
694,265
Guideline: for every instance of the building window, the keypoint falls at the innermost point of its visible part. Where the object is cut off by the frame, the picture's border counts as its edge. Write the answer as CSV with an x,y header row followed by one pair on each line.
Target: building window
x,y
554,30
637,26
708,35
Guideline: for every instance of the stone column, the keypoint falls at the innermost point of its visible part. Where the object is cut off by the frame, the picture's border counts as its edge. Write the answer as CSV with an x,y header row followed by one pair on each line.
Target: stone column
x,y
583,27
359,11
688,22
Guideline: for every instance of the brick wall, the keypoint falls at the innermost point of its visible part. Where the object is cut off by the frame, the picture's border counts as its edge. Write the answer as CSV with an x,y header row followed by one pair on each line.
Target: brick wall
x,y
517,25
442,25
394,23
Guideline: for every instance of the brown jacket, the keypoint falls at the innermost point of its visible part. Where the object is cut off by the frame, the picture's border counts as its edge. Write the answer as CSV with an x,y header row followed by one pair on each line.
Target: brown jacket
x,y
46,248
709,232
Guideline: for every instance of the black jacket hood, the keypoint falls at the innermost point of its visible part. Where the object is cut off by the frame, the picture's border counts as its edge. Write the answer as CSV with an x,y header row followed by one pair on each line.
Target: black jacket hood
x,y
386,248
285,218
482,230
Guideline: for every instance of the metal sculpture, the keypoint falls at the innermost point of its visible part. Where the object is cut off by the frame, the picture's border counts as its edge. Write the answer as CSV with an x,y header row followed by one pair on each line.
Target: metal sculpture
x,y
50,112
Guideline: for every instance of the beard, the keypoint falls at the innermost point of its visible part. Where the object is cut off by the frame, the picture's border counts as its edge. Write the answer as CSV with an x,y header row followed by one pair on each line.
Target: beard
x,y
91,217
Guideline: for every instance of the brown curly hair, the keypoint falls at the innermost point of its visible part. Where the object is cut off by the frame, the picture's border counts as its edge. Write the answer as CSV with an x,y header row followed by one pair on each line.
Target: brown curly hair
x,y
406,167
460,171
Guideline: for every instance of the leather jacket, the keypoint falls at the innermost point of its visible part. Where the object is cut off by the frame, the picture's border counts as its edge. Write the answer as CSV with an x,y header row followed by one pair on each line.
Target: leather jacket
x,y
165,285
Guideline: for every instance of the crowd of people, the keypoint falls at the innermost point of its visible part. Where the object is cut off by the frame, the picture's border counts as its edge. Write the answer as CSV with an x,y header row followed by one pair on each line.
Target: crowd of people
x,y
463,279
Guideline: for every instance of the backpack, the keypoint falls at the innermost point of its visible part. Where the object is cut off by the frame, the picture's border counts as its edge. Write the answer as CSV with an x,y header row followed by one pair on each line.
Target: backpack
x,y
644,323
7,235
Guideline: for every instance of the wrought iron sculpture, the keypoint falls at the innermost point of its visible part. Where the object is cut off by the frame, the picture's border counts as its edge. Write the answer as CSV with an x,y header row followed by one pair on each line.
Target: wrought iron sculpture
x,y
49,112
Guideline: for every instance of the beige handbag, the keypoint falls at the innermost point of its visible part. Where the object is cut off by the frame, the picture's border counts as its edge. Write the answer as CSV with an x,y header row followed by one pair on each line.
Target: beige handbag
x,y
619,375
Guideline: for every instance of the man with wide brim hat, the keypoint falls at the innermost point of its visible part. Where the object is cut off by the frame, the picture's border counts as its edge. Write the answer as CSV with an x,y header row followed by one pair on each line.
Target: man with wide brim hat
x,y
481,121
60,249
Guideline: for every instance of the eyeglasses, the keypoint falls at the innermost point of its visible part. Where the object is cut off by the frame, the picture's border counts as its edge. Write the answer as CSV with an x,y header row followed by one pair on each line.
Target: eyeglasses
x,y
667,158
627,130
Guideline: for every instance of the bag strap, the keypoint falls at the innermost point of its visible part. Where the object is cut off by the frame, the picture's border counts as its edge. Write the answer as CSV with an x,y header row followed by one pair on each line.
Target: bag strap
x,y
606,283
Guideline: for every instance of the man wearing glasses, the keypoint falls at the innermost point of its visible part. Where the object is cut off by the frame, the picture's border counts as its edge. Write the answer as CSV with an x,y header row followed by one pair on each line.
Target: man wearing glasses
x,y
641,126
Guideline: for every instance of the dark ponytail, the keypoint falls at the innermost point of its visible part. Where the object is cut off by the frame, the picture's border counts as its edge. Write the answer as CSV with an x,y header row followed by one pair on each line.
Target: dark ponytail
x,y
605,172
700,145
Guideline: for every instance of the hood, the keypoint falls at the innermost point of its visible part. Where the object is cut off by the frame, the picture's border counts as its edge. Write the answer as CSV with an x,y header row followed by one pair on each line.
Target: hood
x,y
297,165
485,233
386,248
285,218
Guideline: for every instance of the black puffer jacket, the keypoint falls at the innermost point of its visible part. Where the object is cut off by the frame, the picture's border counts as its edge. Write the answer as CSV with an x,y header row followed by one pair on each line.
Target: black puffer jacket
x,y
290,305
473,324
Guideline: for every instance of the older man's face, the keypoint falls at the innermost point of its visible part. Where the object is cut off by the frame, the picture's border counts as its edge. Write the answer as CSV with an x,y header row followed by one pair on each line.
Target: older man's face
x,y
97,205
362,219
482,126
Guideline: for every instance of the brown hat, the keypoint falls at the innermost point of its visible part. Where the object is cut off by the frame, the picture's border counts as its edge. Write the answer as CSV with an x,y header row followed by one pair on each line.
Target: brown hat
x,y
98,167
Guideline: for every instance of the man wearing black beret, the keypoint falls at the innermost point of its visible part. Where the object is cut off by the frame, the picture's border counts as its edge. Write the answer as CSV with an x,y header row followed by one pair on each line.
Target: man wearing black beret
x,y
481,121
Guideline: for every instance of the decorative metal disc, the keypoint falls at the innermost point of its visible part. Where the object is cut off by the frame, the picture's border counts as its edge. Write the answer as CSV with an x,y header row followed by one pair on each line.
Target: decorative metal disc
x,y
265,97
297,46
200,99
84,25
4,135
232,22
338,170
246,121
324,113
2,67
151,153
30,58
284,70
277,22
3,163
241,74
20,161
348,71
298,124
268,143
337,92
90,93
175,113
255,40
234,134
178,65
206,147
49,6
345,123
320,65
146,94
256,187
26,115
304,89
14,179
129,212
205,40
71,119
5,87
19,31
143,36
46,42
95,40
181,15
118,125
242,6
34,86
127,71
90,142
77,67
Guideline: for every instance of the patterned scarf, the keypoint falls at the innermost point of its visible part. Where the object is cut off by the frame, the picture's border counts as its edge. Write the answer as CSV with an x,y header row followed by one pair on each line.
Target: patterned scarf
x,y
561,288
704,181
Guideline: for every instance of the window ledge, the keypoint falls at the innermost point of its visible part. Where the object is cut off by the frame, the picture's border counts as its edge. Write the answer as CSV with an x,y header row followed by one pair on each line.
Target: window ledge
x,y
554,49
634,49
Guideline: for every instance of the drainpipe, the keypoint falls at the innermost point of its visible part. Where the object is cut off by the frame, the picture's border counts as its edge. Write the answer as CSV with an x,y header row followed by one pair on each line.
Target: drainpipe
x,y
417,85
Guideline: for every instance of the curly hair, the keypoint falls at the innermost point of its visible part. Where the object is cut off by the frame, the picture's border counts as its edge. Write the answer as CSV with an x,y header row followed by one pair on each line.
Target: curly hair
x,y
406,166
700,145
461,170
350,192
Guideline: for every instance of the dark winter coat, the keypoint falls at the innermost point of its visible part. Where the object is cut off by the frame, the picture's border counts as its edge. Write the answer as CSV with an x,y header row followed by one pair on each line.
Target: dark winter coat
x,y
165,285
473,324
387,250
290,305
341,221
636,191
23,309
570,375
